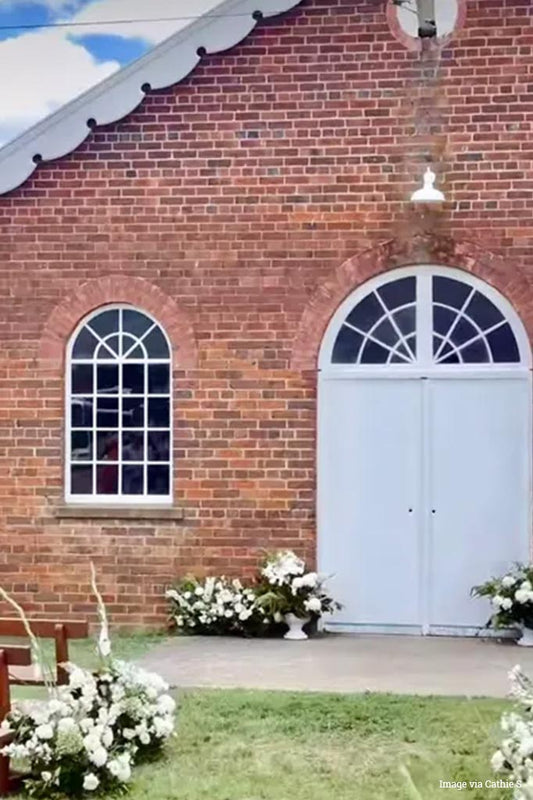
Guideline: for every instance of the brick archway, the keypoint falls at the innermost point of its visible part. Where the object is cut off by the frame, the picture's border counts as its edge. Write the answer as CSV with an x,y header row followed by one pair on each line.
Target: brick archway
x,y
509,278
117,289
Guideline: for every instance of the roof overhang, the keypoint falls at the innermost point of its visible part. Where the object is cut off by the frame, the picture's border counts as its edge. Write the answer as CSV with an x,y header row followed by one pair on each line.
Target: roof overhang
x,y
221,28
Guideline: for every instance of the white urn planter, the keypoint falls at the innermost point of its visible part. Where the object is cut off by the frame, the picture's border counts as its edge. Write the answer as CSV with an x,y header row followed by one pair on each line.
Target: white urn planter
x,y
526,640
295,624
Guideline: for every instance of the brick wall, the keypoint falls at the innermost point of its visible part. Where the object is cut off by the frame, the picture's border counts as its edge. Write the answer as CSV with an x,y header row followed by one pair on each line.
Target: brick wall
x,y
241,207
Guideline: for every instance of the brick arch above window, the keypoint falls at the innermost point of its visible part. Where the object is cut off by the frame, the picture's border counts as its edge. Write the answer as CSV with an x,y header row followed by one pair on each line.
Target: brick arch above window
x,y
509,278
114,289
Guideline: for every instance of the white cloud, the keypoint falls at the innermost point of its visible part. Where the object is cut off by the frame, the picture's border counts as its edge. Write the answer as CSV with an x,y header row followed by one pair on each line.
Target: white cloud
x,y
49,67
152,32
45,71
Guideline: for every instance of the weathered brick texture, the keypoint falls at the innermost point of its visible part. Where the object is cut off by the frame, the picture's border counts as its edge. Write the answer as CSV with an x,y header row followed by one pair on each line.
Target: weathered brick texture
x,y
241,207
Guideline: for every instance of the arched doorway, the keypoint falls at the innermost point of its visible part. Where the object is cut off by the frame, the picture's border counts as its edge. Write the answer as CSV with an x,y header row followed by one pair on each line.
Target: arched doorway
x,y
424,461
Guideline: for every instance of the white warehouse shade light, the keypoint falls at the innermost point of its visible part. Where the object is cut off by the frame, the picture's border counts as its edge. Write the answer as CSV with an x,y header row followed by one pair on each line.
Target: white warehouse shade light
x,y
428,193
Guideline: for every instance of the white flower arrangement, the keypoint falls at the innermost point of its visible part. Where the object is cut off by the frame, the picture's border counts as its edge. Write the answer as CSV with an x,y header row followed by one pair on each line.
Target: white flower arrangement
x,y
511,597
215,606
224,606
515,755
86,738
287,588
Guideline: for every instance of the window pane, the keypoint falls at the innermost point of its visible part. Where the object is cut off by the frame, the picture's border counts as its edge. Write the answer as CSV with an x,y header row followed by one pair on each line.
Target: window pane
x,y
132,480
133,412
107,479
443,320
107,412
158,378
82,379
85,344
463,332
450,292
103,353
107,446
483,311
385,333
366,313
453,358
398,293
475,353
405,319
108,378
105,323
374,354
411,341
113,343
158,480
158,413
158,446
81,480
156,344
133,446
136,323
82,412
347,346
81,445
503,345
129,344
133,378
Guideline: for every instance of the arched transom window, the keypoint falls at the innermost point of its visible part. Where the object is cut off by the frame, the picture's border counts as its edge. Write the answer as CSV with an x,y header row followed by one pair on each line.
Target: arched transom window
x,y
119,409
424,317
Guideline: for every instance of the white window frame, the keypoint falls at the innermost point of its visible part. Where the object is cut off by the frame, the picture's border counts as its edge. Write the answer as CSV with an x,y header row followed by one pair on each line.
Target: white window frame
x,y
107,500
424,364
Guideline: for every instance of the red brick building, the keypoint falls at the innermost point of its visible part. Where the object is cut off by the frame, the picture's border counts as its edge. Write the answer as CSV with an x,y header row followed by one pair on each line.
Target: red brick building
x,y
221,223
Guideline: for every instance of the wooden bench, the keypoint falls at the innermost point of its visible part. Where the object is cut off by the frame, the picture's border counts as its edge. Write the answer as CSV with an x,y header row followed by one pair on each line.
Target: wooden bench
x,y
21,656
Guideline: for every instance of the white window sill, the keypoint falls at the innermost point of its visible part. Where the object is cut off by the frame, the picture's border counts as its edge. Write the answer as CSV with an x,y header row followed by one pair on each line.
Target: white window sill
x,y
110,511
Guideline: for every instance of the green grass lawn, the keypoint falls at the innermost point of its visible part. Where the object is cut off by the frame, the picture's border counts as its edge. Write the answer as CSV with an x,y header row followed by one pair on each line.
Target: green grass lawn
x,y
244,745
250,745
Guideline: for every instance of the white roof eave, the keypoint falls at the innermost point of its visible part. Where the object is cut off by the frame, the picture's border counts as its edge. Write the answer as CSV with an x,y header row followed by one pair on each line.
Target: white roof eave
x,y
109,101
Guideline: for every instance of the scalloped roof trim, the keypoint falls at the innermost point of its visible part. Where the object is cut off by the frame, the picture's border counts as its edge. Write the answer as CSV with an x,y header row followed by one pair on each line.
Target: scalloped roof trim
x,y
114,98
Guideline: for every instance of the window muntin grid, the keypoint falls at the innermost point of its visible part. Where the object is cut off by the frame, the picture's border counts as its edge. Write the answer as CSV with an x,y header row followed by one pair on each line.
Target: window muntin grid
x,y
393,325
468,328
381,329
119,410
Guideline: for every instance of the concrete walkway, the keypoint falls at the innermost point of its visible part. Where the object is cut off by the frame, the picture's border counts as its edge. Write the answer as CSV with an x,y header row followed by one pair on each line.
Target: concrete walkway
x,y
342,663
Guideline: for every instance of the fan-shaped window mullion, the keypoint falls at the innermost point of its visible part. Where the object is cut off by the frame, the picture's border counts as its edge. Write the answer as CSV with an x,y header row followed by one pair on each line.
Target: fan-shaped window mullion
x,y
369,337
482,336
394,324
460,313
395,353
139,340
461,316
102,341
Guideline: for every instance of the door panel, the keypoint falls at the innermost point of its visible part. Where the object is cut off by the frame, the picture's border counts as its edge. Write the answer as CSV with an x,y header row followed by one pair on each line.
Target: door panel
x,y
479,491
369,499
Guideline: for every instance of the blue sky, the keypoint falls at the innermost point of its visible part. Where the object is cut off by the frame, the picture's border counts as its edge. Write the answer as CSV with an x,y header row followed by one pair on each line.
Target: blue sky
x,y
47,67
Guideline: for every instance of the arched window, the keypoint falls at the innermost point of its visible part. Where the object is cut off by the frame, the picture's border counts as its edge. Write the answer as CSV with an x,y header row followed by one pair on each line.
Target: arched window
x,y
425,317
119,431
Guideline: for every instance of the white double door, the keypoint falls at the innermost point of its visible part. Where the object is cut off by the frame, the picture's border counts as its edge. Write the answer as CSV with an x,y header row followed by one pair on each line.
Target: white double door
x,y
424,491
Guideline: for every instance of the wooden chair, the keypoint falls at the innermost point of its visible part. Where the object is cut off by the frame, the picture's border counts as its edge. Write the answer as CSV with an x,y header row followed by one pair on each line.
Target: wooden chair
x,y
21,656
